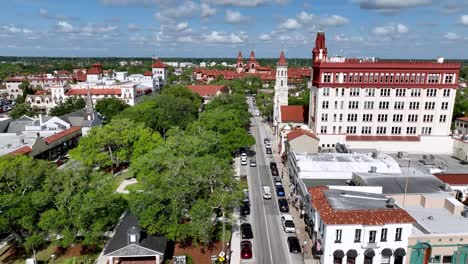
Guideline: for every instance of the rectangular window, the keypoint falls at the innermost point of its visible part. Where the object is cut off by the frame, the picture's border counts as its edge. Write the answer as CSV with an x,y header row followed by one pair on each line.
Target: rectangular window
x,y
446,92
357,235
426,130
337,91
372,235
400,92
417,78
447,259
448,78
414,106
411,130
323,129
353,105
342,91
338,236
381,130
385,92
337,77
354,92
431,92
341,104
327,77
352,117
341,117
398,234
429,105
398,118
368,105
383,235
370,92
443,118
396,130
367,118
444,106
428,118
324,117
416,92
399,105
366,78
325,104
383,105
366,130
351,130
336,104
334,117
382,117
326,91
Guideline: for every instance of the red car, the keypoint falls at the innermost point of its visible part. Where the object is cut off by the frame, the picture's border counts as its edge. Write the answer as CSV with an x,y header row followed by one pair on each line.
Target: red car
x,y
246,250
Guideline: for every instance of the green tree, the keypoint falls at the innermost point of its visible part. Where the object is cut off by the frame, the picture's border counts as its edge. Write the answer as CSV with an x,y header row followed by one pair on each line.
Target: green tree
x,y
27,89
24,109
71,104
22,198
109,107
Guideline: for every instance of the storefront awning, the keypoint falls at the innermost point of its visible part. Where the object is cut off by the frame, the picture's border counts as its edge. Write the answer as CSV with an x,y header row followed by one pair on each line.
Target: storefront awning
x,y
369,253
400,252
387,252
338,253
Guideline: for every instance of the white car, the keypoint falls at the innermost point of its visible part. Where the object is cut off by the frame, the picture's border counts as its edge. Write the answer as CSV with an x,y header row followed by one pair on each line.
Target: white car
x,y
244,162
288,223
243,156
266,191
253,163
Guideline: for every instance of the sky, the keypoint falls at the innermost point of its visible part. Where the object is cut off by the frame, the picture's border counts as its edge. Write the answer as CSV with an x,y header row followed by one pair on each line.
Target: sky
x,y
423,29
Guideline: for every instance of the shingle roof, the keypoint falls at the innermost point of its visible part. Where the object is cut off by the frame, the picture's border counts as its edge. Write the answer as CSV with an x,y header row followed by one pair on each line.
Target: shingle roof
x,y
300,132
354,217
294,113
62,134
383,138
206,90
453,179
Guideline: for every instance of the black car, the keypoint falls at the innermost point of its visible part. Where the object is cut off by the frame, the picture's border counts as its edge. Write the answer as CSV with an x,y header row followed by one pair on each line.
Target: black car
x,y
283,205
294,246
266,140
280,191
273,165
268,150
245,209
246,231
274,172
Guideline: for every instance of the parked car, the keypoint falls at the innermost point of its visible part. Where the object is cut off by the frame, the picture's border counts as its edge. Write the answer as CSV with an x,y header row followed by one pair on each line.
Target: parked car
x,y
283,205
274,172
266,140
245,192
288,223
246,231
246,250
243,155
280,191
268,145
277,181
266,192
273,165
244,162
293,244
245,208
268,150
253,163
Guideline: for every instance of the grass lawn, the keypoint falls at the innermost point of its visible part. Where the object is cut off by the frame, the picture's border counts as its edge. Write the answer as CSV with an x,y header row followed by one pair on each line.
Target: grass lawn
x,y
119,179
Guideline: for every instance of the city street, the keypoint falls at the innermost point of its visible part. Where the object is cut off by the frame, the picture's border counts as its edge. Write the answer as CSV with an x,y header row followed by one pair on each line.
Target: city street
x,y
269,243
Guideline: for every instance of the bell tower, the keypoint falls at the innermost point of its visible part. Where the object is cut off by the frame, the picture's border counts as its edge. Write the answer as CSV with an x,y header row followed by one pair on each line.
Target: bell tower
x,y
319,53
281,88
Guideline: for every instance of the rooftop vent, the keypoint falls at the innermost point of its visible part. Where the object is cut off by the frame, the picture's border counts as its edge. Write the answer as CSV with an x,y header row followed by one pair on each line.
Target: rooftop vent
x,y
430,217
445,187
390,203
374,155
440,60
373,169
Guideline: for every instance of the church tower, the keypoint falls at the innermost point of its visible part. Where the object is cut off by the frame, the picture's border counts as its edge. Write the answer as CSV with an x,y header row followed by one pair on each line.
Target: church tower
x,y
281,88
240,62
319,53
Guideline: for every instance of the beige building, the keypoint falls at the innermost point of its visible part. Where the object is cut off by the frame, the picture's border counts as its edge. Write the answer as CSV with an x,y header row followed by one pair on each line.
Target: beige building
x,y
461,125
300,140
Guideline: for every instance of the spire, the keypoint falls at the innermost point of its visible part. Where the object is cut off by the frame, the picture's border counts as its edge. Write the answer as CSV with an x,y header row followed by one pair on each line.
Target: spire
x,y
89,102
319,53
252,55
282,60
239,56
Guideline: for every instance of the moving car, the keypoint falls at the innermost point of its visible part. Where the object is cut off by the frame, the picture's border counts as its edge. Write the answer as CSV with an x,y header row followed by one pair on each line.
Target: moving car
x,y
283,205
266,140
277,181
293,244
245,208
274,172
243,162
268,150
288,223
246,231
273,165
266,191
280,191
246,250
243,156
253,163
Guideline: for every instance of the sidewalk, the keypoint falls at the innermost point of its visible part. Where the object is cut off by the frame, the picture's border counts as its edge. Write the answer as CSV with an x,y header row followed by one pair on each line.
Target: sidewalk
x,y
234,256
301,233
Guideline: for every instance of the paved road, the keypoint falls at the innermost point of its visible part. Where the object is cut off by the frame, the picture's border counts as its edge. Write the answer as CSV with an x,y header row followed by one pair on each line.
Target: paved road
x,y
269,243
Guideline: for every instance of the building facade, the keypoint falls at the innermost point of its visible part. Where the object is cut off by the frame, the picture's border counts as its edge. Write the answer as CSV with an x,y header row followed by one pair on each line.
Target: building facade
x,y
280,97
357,100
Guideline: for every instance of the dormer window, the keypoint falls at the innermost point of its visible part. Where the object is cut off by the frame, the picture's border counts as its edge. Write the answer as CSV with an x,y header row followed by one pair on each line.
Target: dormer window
x,y
133,238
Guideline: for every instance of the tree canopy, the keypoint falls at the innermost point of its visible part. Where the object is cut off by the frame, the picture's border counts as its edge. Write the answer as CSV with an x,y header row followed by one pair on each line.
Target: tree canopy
x,y
22,109
71,104
110,107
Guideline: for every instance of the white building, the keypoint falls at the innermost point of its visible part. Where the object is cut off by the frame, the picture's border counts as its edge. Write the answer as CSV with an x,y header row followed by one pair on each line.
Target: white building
x,y
358,227
281,89
389,106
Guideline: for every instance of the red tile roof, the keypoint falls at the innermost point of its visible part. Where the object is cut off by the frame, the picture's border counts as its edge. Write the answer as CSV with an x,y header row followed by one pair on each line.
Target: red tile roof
x,y
453,179
282,60
300,132
207,90
463,118
355,217
159,64
383,138
21,151
93,70
294,113
94,91
62,134
148,73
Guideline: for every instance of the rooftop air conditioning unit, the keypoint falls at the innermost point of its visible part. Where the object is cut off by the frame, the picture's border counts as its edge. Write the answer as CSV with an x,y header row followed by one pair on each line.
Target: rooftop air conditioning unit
x,y
374,155
390,203
373,169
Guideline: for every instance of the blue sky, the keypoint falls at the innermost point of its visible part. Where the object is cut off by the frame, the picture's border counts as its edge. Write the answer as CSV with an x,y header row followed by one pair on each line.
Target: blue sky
x,y
219,28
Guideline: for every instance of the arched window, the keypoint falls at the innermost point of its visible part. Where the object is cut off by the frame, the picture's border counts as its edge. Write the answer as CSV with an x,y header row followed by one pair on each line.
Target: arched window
x,y
281,73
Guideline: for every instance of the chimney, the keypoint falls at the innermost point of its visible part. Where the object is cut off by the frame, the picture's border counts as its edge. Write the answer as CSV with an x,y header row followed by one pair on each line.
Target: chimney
x,y
133,236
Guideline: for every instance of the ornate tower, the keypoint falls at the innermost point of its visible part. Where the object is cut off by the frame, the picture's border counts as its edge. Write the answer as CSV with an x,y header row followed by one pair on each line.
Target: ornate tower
x,y
281,88
319,53
240,62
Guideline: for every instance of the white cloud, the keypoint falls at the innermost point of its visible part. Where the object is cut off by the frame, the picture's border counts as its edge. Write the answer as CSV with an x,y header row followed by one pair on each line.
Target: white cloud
x,y
290,23
185,39
135,2
185,10
452,36
242,3
64,26
206,10
335,20
133,27
390,5
235,17
313,20
221,37
464,20
265,37
182,26
45,14
390,30
304,17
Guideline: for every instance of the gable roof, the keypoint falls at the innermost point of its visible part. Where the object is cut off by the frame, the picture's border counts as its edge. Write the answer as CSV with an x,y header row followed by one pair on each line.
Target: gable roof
x,y
332,216
300,132
453,179
62,134
147,244
463,118
21,151
207,90
294,113
159,64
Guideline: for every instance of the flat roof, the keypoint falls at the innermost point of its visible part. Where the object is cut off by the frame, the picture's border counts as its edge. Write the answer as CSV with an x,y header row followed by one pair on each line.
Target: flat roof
x,y
351,200
395,183
443,163
324,182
